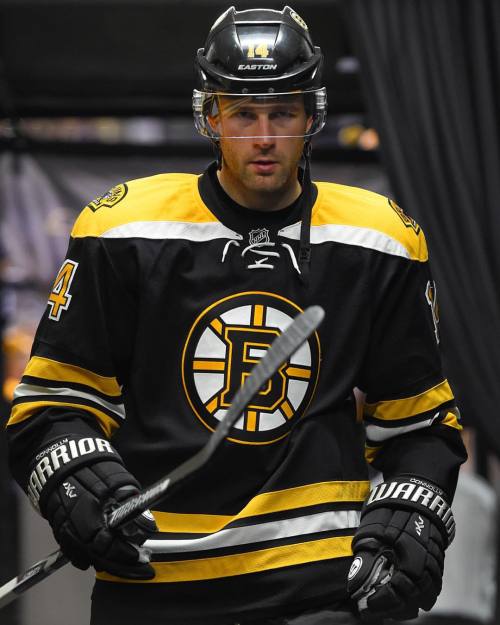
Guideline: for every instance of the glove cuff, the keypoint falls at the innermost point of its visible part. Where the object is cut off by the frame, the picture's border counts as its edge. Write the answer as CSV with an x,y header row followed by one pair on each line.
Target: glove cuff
x,y
61,457
417,494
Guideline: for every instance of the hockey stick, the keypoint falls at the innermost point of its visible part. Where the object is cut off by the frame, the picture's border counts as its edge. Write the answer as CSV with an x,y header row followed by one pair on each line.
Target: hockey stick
x,y
280,351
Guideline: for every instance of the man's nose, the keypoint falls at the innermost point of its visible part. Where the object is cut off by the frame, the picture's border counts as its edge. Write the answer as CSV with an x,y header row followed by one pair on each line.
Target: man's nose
x,y
264,131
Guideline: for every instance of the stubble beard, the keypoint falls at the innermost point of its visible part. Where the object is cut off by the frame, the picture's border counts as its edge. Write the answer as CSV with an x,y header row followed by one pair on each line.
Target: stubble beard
x,y
271,185
266,183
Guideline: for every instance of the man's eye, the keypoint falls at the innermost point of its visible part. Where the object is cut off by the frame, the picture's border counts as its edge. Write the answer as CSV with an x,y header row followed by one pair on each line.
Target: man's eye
x,y
245,115
283,114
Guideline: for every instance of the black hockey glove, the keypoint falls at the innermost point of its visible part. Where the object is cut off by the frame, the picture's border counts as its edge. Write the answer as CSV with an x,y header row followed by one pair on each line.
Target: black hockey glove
x,y
73,482
399,547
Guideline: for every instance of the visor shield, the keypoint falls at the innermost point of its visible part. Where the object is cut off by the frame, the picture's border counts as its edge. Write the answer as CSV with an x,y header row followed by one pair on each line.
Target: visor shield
x,y
259,115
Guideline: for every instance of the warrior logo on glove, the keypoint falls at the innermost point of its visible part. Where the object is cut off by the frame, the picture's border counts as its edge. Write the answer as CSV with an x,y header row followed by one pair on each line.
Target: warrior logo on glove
x,y
399,547
60,453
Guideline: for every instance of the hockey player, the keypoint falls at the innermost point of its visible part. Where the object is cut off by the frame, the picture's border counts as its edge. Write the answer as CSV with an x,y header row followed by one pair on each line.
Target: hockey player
x,y
173,286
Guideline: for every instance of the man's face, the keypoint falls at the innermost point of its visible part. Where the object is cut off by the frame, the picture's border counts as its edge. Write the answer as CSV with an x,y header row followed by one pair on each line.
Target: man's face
x,y
270,140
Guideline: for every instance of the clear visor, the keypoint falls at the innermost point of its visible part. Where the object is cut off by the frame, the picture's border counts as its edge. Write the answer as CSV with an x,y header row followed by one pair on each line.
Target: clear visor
x,y
259,115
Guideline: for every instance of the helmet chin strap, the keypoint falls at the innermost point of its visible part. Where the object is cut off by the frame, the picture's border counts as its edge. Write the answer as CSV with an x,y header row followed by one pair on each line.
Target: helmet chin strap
x,y
218,153
305,224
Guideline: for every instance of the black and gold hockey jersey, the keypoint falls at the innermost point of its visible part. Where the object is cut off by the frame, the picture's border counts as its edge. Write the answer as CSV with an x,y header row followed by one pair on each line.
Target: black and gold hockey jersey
x,y
169,294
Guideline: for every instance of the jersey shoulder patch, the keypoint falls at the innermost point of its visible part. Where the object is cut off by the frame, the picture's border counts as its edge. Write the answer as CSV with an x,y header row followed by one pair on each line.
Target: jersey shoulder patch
x,y
164,197
368,219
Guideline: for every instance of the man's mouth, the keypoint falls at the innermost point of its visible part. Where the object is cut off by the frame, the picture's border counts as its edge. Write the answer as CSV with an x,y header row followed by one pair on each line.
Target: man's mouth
x,y
264,166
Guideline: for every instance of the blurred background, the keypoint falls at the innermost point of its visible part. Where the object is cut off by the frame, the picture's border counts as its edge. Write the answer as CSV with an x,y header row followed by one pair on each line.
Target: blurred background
x,y
93,93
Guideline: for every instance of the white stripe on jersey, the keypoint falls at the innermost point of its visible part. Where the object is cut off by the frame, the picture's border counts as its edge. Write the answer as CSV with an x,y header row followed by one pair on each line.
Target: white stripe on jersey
x,y
30,390
378,434
207,231
351,235
273,530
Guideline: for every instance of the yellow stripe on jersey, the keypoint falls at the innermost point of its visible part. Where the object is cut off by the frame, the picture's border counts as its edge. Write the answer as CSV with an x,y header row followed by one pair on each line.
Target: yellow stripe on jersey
x,y
49,369
154,199
361,209
157,206
244,563
265,503
25,410
191,523
410,406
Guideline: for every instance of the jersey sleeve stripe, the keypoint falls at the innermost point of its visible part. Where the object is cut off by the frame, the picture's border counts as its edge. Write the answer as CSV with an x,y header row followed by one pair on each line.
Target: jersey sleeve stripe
x,y
379,434
55,384
25,391
26,409
242,563
394,409
41,367
405,420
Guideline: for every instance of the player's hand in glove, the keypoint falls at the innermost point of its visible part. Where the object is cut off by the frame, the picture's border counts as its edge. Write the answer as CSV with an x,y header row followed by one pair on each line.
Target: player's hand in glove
x,y
399,550
74,488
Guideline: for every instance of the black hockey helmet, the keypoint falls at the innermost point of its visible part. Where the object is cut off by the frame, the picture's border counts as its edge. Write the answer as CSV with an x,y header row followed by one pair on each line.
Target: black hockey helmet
x,y
258,52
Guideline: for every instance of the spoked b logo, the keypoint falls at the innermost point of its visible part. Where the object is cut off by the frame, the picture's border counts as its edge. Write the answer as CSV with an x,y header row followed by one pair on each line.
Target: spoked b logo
x,y
223,345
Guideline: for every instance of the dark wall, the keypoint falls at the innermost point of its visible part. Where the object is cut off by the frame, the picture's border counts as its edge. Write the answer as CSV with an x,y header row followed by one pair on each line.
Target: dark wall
x,y
119,57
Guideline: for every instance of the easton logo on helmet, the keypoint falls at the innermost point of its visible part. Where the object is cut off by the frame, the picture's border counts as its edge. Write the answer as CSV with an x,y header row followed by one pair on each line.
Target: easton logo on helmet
x,y
243,66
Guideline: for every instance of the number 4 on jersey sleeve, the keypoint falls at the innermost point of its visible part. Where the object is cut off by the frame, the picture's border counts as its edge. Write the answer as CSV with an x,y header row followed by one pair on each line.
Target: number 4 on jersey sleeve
x,y
60,297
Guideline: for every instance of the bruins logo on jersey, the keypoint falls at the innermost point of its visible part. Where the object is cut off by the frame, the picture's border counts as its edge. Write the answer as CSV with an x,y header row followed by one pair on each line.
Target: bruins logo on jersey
x,y
223,345
408,221
109,199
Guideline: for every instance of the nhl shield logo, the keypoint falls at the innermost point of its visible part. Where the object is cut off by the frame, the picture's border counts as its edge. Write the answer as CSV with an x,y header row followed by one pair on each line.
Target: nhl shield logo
x,y
261,235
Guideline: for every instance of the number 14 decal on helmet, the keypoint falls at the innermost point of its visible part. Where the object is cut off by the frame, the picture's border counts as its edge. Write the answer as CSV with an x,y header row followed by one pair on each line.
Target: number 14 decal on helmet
x,y
60,297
